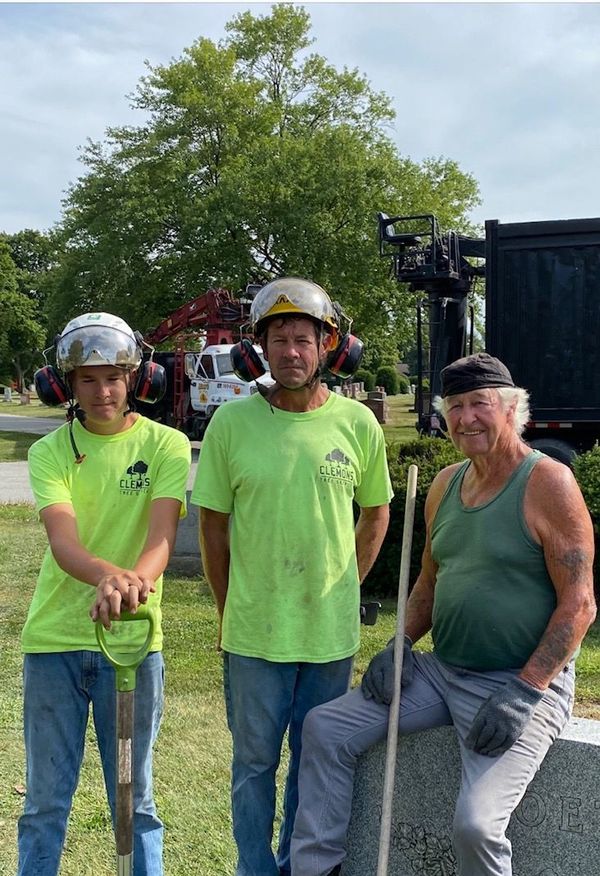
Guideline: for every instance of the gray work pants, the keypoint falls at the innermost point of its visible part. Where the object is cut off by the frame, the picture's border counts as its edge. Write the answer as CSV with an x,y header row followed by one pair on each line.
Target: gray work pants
x,y
336,733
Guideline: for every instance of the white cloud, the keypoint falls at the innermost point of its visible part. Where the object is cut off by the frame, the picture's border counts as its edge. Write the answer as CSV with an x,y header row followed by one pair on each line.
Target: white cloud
x,y
508,90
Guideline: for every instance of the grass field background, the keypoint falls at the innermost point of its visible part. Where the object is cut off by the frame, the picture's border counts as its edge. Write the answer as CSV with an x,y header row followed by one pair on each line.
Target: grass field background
x,y
192,757
400,425
14,445
34,409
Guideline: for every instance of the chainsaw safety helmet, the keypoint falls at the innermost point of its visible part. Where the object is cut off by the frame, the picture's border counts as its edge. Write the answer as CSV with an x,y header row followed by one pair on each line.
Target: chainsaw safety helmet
x,y
97,339
293,296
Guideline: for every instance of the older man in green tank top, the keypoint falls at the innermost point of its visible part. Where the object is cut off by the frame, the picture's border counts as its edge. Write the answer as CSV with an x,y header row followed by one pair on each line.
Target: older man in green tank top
x,y
506,589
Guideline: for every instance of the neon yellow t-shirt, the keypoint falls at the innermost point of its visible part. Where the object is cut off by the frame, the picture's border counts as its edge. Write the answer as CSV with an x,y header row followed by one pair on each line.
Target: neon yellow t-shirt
x,y
289,481
111,492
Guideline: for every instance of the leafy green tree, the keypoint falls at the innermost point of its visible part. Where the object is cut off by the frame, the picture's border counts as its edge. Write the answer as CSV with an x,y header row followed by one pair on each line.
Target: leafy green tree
x,y
21,335
257,159
35,256
8,273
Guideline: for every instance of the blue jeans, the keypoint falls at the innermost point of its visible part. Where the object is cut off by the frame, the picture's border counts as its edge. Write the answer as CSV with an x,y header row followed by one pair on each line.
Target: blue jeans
x,y
263,699
58,690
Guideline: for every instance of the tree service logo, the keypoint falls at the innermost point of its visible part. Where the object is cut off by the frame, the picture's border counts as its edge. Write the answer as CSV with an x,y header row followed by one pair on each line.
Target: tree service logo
x,y
135,479
337,469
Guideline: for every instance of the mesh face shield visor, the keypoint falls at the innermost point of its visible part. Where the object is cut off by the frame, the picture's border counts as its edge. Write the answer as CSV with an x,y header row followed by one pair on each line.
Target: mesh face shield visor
x,y
97,345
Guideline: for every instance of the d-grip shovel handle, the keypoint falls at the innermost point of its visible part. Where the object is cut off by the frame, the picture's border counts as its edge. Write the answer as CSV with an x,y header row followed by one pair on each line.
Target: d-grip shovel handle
x,y
125,663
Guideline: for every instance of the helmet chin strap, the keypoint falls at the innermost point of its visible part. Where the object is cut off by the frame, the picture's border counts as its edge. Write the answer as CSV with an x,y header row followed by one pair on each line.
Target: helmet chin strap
x,y
269,392
131,408
316,376
321,366
74,411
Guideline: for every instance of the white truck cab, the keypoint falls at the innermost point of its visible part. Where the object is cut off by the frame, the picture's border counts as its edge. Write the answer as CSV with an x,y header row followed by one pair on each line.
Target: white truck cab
x,y
213,381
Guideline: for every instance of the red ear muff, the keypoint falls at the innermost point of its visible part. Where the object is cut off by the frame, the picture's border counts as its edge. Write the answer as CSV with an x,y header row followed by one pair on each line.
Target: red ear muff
x,y
246,362
345,358
151,383
50,387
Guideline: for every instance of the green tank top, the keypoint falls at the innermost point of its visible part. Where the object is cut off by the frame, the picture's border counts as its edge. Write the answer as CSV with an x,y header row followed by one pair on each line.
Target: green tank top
x,y
493,595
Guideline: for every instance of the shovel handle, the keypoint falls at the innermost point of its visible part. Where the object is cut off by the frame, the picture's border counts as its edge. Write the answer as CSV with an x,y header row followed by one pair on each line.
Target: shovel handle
x,y
394,715
125,663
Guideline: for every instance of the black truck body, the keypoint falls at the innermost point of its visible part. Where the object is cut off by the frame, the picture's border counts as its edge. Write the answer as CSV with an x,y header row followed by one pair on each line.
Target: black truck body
x,y
542,315
542,293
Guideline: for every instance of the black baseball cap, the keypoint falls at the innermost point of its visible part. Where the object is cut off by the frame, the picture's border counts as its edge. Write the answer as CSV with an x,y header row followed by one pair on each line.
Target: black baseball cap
x,y
478,371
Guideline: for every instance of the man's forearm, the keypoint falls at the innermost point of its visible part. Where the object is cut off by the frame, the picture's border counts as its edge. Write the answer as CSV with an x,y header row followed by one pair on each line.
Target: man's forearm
x,y
154,558
369,534
217,575
80,564
419,609
561,638
214,546
68,551
162,531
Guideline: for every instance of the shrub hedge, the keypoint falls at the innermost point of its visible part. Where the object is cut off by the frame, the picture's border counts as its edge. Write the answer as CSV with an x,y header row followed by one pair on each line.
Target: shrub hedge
x,y
431,455
387,376
403,385
367,377
586,468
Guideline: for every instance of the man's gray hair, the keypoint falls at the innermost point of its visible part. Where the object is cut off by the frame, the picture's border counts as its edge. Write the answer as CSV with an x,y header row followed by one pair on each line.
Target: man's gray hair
x,y
507,395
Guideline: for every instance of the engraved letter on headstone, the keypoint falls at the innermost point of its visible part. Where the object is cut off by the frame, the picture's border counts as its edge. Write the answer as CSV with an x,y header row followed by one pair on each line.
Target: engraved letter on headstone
x,y
531,810
570,815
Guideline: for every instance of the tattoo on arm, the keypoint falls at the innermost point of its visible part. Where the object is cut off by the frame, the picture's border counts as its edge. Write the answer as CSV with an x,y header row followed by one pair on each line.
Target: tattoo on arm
x,y
576,561
555,647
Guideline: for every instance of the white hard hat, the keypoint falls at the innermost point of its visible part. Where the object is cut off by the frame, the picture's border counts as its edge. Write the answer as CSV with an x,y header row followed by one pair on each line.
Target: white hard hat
x,y
97,339
292,296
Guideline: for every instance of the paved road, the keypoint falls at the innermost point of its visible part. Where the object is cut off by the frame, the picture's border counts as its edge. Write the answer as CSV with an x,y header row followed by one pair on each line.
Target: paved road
x,y
14,480
14,487
14,483
36,425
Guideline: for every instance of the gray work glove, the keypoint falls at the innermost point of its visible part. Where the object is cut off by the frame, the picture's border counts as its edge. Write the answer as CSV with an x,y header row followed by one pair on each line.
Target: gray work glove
x,y
503,717
378,681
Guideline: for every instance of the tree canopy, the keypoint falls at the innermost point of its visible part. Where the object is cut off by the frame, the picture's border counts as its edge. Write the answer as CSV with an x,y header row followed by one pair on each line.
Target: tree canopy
x,y
21,334
256,158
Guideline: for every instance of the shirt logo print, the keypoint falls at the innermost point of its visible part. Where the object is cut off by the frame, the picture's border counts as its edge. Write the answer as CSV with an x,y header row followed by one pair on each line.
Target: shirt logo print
x,y
337,456
135,479
337,469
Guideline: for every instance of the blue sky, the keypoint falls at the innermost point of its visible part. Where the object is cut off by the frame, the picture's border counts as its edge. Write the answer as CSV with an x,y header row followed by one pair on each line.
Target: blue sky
x,y
510,90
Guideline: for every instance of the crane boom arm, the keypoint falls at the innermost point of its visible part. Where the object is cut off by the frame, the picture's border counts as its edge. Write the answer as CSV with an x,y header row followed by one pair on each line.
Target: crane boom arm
x,y
216,312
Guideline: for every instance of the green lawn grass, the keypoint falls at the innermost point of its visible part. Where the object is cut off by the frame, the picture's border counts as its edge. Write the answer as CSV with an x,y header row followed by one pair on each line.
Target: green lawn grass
x,y
401,421
34,409
192,759
14,445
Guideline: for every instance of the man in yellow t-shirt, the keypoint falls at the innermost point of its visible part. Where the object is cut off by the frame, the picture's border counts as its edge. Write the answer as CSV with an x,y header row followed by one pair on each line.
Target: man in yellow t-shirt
x,y
110,487
276,482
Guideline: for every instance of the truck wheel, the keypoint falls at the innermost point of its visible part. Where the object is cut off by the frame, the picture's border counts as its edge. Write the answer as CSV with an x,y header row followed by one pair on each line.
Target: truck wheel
x,y
557,449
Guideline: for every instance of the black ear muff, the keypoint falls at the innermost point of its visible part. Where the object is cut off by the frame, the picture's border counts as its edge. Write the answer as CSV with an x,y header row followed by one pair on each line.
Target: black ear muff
x,y
50,387
151,383
246,362
345,359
